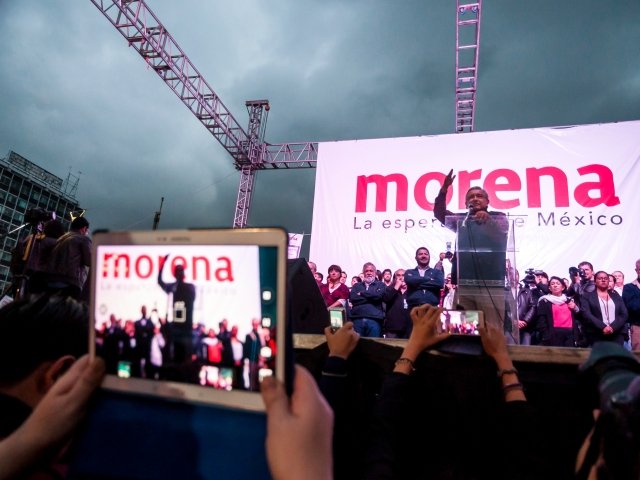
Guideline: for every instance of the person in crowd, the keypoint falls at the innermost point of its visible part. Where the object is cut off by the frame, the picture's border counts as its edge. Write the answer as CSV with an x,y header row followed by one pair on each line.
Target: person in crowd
x,y
299,429
343,277
34,446
334,384
423,282
319,277
224,336
144,333
70,261
585,283
631,298
45,393
355,279
33,254
366,299
581,282
556,316
114,344
618,285
156,360
238,368
611,378
448,293
542,282
480,259
604,313
182,297
527,304
334,292
253,343
387,277
397,323
41,337
389,456
444,262
314,269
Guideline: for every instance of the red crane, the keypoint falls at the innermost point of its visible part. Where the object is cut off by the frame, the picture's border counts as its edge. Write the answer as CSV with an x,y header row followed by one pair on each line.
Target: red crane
x,y
144,32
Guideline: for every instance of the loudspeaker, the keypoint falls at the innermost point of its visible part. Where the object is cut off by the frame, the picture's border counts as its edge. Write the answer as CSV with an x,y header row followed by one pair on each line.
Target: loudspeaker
x,y
307,308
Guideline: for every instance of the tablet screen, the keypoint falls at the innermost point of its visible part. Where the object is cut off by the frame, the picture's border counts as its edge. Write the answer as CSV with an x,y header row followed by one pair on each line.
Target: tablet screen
x,y
189,314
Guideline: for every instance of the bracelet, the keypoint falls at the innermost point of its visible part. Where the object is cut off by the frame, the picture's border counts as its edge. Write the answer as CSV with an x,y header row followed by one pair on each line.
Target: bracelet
x,y
512,386
406,360
501,373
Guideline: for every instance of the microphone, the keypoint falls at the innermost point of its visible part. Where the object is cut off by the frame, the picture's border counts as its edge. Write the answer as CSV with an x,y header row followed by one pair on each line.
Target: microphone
x,y
470,209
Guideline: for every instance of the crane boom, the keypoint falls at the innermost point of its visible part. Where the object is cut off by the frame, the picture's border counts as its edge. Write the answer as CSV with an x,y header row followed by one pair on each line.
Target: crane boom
x,y
143,31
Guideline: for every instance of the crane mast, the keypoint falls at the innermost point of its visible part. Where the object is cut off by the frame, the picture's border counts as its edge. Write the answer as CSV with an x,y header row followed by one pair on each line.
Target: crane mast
x,y
467,50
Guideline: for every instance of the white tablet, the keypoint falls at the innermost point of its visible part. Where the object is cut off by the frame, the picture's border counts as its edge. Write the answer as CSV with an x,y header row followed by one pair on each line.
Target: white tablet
x,y
190,315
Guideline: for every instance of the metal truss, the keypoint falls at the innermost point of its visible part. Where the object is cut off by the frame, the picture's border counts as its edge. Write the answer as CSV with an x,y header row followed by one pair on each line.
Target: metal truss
x,y
467,49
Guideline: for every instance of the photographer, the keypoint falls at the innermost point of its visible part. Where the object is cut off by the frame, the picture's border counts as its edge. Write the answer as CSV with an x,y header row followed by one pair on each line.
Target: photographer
x,y
70,261
611,378
30,256
527,301
586,282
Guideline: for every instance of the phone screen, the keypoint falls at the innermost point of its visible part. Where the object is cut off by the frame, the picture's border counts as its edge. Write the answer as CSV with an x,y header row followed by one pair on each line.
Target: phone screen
x,y
461,322
336,317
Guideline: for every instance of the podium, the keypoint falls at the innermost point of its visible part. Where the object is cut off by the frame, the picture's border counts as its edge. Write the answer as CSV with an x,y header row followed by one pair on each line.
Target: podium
x,y
484,269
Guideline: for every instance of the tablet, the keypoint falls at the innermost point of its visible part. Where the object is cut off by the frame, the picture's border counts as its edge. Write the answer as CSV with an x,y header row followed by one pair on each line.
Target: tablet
x,y
190,315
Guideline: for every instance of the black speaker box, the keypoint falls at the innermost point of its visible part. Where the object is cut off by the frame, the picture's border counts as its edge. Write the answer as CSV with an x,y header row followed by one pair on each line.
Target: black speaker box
x,y
307,308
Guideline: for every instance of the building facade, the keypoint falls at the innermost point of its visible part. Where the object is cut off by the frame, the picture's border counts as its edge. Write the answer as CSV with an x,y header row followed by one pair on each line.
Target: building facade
x,y
24,187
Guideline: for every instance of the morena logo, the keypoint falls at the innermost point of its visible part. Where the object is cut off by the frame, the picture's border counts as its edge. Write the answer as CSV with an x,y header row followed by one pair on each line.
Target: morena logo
x,y
498,183
124,265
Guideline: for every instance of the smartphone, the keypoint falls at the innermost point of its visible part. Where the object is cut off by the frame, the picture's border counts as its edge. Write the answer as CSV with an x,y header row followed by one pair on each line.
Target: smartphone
x,y
462,322
187,284
336,317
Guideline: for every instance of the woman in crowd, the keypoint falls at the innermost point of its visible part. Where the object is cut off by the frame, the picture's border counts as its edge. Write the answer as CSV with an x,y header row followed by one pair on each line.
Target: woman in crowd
x,y
334,292
603,312
556,316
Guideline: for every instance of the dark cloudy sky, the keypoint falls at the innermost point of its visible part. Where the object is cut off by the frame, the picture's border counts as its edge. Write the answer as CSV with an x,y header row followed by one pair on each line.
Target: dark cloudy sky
x,y
75,98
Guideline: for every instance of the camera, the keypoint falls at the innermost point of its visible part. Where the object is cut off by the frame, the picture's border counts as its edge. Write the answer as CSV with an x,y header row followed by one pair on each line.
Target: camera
x,y
36,215
611,378
448,254
582,273
530,276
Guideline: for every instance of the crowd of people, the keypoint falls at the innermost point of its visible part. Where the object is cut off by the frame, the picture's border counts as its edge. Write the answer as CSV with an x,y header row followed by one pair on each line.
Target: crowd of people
x,y
574,311
46,382
145,348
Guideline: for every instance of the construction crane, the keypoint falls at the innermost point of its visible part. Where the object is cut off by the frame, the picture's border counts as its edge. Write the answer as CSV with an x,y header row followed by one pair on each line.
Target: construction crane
x,y
467,50
144,32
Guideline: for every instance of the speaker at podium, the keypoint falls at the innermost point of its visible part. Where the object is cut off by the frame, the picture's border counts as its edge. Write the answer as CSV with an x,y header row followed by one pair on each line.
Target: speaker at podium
x,y
309,313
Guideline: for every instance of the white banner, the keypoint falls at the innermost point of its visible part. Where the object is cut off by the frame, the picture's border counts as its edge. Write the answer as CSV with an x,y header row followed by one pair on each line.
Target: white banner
x,y
577,190
295,244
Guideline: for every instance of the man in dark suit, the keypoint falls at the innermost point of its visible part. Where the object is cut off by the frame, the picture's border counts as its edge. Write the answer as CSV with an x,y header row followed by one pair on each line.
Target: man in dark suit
x,y
184,295
480,258
144,331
